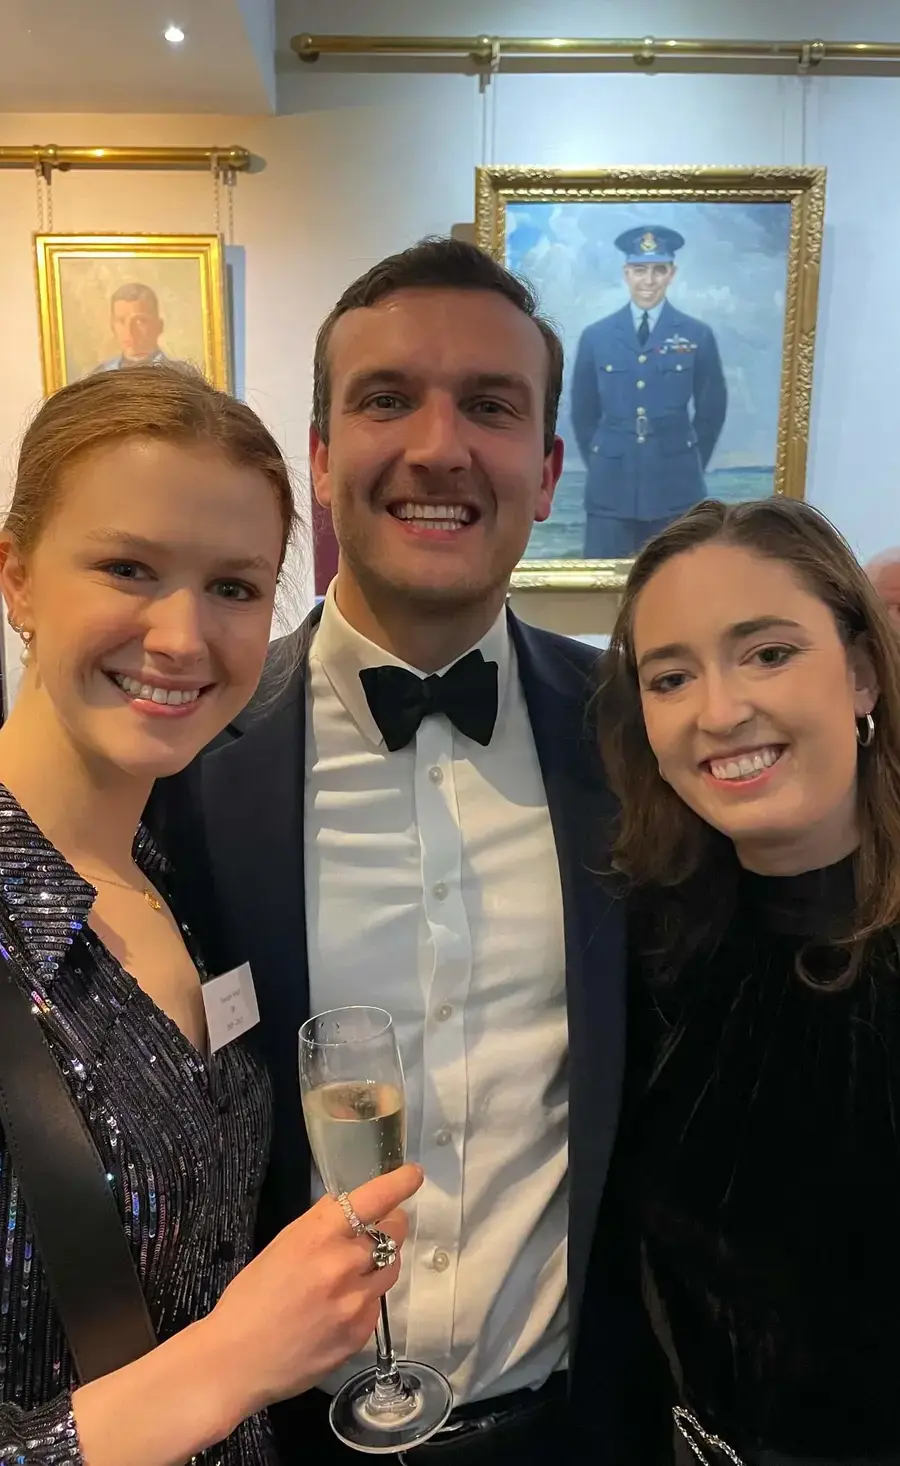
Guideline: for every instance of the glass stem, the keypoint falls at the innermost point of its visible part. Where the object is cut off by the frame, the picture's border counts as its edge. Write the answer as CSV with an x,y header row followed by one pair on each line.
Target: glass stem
x,y
389,1387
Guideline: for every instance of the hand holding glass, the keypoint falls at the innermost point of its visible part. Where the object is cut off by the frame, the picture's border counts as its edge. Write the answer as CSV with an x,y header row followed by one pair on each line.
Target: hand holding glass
x,y
351,1081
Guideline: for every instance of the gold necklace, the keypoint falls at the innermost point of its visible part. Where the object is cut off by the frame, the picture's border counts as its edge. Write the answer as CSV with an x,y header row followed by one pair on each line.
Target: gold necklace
x,y
147,892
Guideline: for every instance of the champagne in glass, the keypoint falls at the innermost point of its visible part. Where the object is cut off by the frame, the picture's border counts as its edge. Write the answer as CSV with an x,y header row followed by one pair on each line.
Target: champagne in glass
x,y
359,1130
351,1081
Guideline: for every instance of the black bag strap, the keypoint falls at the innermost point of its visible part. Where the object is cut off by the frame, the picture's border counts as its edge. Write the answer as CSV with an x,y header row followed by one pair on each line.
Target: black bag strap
x,y
77,1224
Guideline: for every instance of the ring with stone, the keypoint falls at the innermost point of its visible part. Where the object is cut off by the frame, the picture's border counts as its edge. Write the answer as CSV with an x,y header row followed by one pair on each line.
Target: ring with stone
x,y
384,1252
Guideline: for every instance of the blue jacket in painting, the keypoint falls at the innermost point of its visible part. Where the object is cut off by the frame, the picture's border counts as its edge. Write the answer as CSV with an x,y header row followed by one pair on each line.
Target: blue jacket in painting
x,y
647,418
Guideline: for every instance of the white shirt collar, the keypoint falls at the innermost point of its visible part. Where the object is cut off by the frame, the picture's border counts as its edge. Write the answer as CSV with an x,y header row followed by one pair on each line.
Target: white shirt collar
x,y
342,652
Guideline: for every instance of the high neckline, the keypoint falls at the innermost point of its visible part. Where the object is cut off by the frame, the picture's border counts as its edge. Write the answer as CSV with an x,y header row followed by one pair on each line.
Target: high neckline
x,y
812,904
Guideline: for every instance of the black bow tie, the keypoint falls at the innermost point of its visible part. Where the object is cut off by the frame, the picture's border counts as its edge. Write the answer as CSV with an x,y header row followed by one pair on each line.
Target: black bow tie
x,y
466,694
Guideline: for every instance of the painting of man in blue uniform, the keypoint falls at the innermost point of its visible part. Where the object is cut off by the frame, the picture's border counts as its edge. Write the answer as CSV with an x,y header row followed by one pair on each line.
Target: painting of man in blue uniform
x,y
648,403
673,319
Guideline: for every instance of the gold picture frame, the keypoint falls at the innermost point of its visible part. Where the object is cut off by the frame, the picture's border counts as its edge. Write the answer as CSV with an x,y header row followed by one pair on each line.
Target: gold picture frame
x,y
107,299
538,199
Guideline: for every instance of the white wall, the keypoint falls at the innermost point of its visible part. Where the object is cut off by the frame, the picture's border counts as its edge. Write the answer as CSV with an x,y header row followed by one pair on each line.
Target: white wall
x,y
360,164
272,222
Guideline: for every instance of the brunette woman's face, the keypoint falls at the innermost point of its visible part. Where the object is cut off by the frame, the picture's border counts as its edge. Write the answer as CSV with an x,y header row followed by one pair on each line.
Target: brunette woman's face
x,y
150,593
750,701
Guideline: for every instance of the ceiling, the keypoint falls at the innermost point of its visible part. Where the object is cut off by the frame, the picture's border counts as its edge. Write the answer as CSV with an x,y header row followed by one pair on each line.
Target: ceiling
x,y
111,56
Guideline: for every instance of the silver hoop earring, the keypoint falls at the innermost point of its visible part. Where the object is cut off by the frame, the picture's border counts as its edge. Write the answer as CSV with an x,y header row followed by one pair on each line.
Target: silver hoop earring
x,y
865,738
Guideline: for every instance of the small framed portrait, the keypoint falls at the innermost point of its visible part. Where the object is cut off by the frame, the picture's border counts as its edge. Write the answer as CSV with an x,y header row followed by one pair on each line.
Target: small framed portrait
x,y
110,301
686,302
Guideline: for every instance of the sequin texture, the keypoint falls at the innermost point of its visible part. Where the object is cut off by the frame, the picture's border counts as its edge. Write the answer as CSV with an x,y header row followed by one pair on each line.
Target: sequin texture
x,y
184,1142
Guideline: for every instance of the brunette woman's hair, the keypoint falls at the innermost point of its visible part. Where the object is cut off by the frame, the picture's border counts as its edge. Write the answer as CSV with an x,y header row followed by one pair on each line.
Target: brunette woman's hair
x,y
661,842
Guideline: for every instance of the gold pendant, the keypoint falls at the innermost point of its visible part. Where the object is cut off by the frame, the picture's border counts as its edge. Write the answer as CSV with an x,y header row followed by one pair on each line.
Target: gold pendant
x,y
153,900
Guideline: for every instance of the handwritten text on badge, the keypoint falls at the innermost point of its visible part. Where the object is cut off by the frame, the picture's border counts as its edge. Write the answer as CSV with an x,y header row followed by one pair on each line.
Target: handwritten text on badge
x,y
231,1008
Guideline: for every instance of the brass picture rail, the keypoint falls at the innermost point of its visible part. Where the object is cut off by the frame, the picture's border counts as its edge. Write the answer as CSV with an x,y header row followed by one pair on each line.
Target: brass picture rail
x,y
646,51
46,158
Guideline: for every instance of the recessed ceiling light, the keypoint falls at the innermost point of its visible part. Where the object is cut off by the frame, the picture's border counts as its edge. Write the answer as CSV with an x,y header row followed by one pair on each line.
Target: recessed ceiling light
x,y
174,35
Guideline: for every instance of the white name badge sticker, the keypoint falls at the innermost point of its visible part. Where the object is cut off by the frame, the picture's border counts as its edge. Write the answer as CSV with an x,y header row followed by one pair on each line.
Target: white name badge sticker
x,y
231,1008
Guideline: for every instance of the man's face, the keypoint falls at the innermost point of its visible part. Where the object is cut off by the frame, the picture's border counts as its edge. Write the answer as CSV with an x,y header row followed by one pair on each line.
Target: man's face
x,y
435,469
136,327
647,284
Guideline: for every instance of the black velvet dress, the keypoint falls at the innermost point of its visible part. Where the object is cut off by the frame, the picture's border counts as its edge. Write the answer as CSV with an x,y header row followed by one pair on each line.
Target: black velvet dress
x,y
759,1167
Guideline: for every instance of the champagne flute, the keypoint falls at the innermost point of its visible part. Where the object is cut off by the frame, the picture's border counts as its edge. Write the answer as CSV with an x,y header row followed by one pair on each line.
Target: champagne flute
x,y
351,1081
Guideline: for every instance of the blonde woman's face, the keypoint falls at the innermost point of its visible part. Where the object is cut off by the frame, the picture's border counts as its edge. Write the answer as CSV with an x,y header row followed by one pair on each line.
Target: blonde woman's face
x,y
751,702
150,593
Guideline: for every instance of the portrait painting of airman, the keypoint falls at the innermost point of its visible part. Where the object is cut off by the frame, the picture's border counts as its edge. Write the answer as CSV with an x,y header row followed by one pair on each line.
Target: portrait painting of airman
x,y
110,302
685,337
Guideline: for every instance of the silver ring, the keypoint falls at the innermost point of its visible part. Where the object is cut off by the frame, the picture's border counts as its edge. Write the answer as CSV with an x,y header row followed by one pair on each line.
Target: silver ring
x,y
384,1253
358,1228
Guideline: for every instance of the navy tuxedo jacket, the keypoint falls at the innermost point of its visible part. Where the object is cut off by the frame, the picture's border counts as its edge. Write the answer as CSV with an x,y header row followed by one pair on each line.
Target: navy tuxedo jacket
x,y
233,826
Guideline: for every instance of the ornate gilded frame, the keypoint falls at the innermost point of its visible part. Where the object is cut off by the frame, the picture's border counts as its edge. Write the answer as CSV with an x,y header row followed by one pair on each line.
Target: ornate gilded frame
x,y
802,188
51,249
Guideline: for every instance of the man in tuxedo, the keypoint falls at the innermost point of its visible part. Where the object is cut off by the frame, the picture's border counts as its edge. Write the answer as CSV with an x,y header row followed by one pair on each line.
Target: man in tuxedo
x,y
414,817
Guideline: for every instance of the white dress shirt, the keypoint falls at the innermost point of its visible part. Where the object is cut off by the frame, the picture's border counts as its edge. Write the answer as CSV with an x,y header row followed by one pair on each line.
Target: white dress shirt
x,y
433,890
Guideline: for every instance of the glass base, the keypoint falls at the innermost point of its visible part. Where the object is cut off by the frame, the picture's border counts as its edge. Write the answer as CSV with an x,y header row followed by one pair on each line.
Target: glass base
x,y
380,1430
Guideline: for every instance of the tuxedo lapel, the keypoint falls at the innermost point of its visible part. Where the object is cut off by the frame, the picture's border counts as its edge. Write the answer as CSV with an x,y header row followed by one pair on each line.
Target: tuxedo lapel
x,y
581,811
253,802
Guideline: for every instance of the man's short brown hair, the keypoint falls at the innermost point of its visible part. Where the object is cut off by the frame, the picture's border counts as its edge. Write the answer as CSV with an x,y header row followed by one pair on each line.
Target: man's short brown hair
x,y
449,264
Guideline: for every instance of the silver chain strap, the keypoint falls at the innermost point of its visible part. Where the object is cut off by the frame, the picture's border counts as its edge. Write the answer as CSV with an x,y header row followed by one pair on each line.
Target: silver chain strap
x,y
684,1418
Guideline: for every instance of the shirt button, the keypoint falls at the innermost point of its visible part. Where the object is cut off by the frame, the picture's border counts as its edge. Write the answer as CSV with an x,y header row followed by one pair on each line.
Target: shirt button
x,y
444,1012
443,1137
440,1261
640,386
436,775
679,368
642,440
440,891
642,358
223,1104
609,366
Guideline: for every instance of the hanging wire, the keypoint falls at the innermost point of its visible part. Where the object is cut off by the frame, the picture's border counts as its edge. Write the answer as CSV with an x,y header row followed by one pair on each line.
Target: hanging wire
x,y
223,176
217,193
231,184
43,176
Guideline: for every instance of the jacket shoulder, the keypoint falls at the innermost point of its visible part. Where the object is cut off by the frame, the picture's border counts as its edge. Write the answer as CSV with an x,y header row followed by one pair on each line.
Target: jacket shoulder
x,y
577,660
682,319
607,324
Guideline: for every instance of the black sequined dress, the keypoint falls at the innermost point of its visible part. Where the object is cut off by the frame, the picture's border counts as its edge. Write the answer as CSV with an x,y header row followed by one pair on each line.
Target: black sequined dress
x,y
185,1142
760,1164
